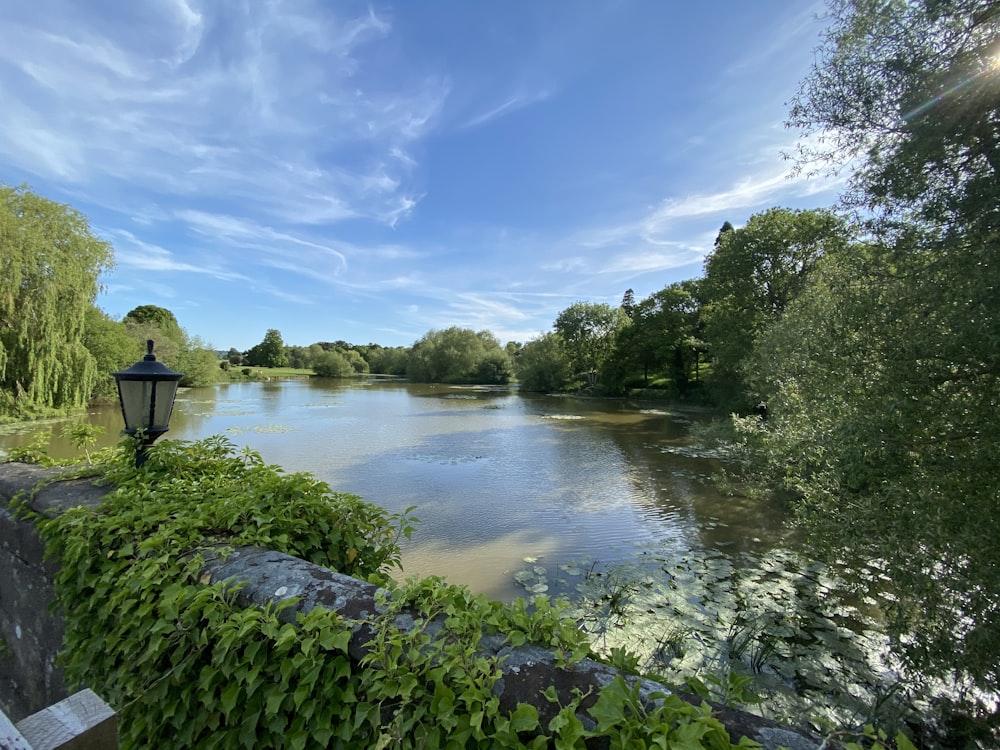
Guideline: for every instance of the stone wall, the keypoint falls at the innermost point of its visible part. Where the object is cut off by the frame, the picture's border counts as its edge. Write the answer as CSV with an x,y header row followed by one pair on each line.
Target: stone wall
x,y
32,631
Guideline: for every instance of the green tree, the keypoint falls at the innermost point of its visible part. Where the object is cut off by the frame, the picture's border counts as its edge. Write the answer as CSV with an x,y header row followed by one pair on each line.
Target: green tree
x,y
495,368
386,360
112,348
298,357
234,356
359,365
660,338
628,302
456,355
199,364
270,352
49,268
149,317
167,348
750,277
588,332
883,378
332,364
543,365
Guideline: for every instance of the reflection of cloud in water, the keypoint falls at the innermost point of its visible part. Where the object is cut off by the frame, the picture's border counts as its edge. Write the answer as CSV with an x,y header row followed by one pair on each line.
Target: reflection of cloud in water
x,y
485,566
273,429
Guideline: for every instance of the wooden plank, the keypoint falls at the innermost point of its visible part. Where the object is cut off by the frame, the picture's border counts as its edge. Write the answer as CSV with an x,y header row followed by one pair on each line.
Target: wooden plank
x,y
81,722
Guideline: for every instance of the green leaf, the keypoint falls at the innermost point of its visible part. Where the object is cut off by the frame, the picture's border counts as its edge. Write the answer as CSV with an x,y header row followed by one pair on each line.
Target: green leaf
x,y
524,718
230,695
609,710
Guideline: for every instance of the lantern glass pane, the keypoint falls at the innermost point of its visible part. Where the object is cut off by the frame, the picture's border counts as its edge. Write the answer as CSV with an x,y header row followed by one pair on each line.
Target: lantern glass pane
x,y
165,391
135,395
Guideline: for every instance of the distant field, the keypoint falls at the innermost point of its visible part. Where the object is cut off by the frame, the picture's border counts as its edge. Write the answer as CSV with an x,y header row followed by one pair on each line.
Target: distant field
x,y
280,371
270,372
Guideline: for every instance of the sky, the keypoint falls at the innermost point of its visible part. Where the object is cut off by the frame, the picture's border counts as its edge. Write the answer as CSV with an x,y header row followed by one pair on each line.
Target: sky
x,y
369,172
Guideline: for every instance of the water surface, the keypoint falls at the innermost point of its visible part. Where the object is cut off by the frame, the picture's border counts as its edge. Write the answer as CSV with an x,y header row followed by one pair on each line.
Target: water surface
x,y
497,478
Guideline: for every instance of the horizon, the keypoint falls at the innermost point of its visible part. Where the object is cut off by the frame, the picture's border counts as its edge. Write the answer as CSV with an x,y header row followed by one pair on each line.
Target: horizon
x,y
372,172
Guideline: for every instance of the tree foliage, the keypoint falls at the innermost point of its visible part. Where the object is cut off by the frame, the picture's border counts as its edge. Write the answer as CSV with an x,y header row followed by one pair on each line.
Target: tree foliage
x,y
588,332
49,268
270,352
155,318
751,276
543,365
332,364
458,355
661,338
112,348
386,360
883,377
172,346
199,364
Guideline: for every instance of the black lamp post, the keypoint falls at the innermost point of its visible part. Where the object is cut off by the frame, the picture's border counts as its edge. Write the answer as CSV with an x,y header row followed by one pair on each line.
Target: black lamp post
x,y
146,391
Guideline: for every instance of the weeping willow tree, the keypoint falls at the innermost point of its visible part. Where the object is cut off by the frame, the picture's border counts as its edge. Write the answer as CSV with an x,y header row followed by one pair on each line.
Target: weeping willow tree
x,y
49,267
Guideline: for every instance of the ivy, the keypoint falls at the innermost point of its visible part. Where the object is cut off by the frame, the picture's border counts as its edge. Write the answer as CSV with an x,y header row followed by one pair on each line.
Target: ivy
x,y
187,666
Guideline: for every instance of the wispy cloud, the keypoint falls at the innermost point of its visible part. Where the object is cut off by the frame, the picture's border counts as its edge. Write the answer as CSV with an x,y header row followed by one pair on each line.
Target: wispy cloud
x,y
245,105
250,234
662,230
783,38
509,106
146,256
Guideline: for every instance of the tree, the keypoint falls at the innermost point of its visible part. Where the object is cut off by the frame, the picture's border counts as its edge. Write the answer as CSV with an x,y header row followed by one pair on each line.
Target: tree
x,y
198,362
49,268
359,364
543,365
234,357
298,357
883,378
157,318
332,364
628,302
270,352
910,93
588,332
495,368
660,338
457,355
387,360
168,348
750,278
112,348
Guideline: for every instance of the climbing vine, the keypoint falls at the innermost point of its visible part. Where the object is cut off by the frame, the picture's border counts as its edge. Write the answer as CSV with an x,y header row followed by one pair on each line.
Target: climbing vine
x,y
186,666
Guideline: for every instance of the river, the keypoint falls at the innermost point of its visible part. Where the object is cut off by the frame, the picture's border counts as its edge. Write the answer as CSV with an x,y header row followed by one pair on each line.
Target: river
x,y
496,477
608,502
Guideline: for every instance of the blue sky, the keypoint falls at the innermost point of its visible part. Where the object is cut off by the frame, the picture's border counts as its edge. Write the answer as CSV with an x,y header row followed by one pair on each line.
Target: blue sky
x,y
372,171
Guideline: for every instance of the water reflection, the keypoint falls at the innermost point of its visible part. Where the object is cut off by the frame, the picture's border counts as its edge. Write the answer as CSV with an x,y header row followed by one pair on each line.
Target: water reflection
x,y
496,476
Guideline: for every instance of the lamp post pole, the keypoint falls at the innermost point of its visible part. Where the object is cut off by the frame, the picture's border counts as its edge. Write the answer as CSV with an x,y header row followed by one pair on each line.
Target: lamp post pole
x,y
146,391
